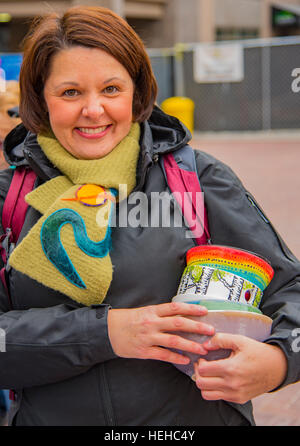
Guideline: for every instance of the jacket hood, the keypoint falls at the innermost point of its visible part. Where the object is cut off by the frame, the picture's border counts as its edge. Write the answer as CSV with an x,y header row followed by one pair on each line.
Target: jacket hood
x,y
168,133
160,134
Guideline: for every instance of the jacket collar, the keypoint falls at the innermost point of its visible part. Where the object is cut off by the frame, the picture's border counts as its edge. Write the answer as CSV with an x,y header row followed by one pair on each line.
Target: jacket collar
x,y
159,135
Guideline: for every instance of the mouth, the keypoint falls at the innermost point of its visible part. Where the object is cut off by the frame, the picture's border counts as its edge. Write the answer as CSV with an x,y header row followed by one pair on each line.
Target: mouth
x,y
93,132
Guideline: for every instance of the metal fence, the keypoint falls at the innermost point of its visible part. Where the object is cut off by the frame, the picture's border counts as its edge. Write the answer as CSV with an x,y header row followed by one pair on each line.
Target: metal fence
x,y
263,100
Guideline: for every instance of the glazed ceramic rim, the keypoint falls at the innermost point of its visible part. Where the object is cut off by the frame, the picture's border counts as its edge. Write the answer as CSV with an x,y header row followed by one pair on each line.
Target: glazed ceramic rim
x,y
211,304
244,314
229,248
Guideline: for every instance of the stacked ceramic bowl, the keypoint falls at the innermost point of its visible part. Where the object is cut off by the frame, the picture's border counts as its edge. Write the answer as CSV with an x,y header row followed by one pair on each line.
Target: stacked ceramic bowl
x,y
230,283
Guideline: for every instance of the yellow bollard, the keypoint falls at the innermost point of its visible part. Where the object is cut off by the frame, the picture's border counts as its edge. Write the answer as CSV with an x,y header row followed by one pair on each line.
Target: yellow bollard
x,y
182,108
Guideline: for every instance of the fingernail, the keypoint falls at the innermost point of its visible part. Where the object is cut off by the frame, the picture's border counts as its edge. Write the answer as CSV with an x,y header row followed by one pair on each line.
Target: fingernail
x,y
200,361
208,344
202,309
210,329
202,350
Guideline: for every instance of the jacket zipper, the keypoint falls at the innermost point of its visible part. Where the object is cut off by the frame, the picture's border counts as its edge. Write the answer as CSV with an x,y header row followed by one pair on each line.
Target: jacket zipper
x,y
107,403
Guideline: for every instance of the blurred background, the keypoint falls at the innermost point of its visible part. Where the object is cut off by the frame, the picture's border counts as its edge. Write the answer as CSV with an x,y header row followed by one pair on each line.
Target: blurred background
x,y
219,53
230,70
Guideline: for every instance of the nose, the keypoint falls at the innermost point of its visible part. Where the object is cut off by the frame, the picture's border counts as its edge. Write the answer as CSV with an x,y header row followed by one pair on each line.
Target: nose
x,y
93,108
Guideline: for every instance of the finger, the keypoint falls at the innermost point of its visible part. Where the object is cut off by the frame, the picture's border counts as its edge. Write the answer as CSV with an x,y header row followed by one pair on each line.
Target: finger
x,y
163,354
224,341
217,368
214,395
219,388
174,308
211,383
179,343
232,397
212,388
208,382
185,324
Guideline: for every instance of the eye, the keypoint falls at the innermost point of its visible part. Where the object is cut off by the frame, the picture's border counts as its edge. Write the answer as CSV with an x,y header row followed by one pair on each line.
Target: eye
x,y
111,89
71,93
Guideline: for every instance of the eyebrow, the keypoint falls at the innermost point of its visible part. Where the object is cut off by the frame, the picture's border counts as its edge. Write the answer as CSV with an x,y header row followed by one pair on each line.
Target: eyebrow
x,y
115,78
75,84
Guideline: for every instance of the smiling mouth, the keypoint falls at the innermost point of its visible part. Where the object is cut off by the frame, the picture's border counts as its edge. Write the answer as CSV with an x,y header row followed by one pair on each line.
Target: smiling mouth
x,y
93,131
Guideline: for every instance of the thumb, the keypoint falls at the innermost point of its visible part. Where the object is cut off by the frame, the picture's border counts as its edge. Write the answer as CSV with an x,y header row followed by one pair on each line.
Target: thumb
x,y
223,340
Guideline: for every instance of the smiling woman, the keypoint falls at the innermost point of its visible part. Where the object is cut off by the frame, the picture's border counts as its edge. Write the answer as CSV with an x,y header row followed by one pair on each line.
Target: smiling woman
x,y
92,334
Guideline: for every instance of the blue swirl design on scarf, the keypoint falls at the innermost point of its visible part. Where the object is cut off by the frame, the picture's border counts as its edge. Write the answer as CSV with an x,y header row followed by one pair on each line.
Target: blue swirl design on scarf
x,y
53,247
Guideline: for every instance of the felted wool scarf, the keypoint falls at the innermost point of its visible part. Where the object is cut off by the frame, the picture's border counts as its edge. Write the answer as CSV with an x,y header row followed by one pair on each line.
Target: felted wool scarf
x,y
68,248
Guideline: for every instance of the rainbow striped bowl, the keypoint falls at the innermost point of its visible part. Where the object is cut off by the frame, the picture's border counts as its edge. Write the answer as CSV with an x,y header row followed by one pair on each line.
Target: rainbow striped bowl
x,y
225,273
230,283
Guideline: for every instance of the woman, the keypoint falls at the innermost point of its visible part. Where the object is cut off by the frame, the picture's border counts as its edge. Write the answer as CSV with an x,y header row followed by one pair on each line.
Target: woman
x,y
90,339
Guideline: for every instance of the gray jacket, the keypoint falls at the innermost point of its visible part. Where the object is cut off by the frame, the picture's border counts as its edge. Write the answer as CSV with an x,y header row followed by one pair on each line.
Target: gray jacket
x,y
58,356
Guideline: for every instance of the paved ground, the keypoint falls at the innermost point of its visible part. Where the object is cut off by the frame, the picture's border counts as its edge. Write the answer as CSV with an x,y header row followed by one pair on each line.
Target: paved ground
x,y
269,166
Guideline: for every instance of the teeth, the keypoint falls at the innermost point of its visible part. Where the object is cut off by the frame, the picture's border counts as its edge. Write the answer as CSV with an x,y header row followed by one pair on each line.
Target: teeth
x,y
92,131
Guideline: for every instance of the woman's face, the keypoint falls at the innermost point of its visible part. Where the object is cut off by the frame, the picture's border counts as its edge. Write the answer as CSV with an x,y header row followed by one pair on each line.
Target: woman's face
x,y
89,97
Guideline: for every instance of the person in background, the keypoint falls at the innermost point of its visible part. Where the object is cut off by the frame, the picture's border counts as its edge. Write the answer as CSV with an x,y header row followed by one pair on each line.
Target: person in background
x,y
91,329
9,102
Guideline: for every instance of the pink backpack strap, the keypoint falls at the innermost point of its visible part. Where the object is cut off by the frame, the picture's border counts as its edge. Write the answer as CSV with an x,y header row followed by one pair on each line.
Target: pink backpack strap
x,y
185,186
15,206
13,214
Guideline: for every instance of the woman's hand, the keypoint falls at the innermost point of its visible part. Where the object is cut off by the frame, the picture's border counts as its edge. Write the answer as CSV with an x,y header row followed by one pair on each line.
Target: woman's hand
x,y
148,332
253,368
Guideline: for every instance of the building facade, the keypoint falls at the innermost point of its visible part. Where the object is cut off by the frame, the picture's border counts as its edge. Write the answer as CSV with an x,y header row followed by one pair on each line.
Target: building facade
x,y
164,23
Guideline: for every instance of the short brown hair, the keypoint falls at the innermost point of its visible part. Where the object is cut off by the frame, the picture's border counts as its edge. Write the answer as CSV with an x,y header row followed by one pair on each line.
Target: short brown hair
x,y
92,27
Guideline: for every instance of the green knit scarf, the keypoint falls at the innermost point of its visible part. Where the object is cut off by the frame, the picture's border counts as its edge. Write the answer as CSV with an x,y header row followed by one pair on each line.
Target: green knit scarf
x,y
68,248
